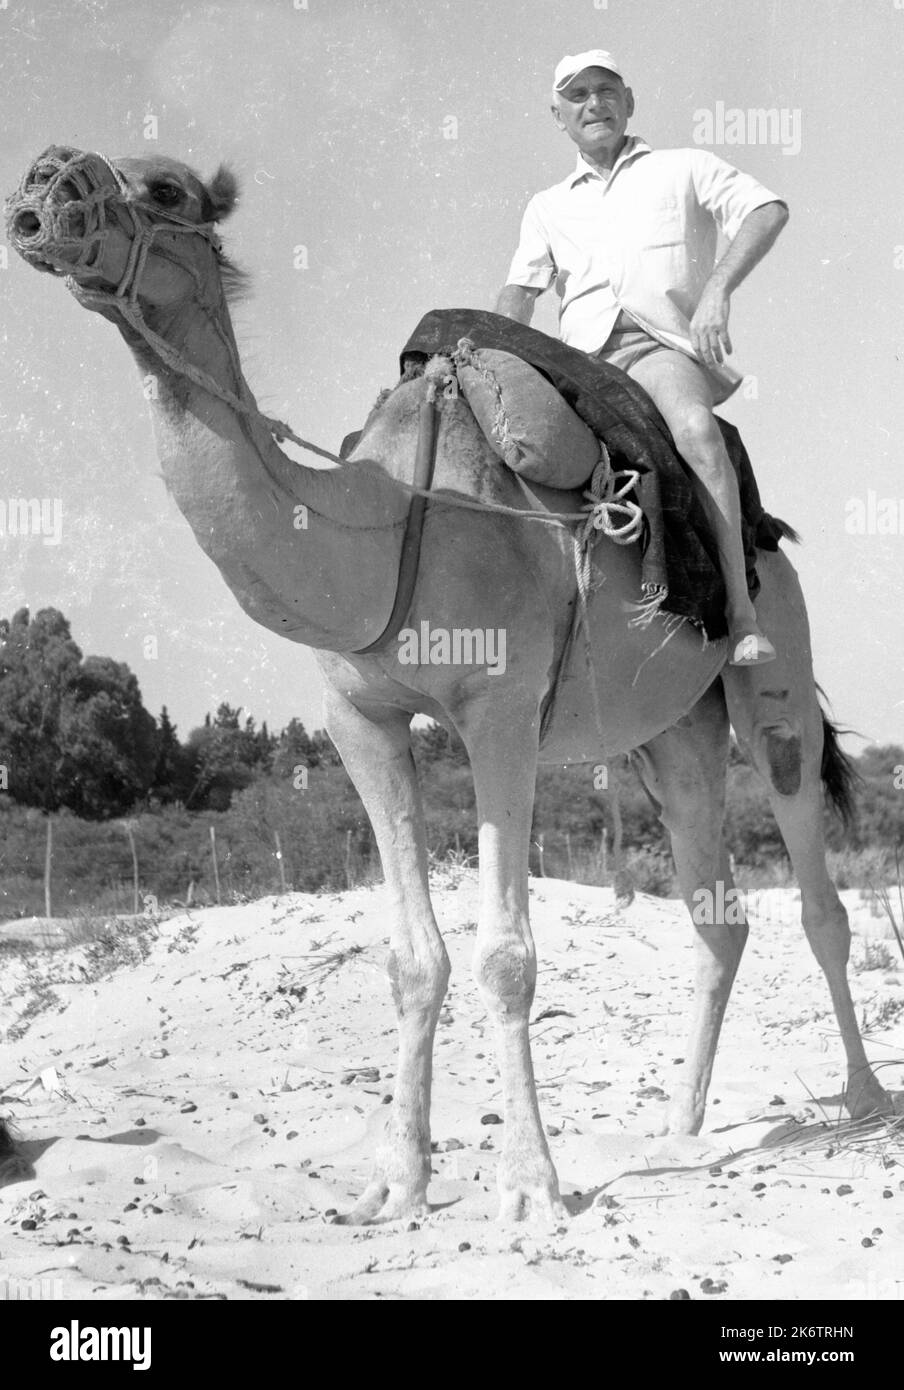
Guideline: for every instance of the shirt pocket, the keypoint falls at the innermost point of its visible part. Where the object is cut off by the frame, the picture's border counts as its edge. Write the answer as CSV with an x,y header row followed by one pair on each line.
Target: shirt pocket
x,y
661,222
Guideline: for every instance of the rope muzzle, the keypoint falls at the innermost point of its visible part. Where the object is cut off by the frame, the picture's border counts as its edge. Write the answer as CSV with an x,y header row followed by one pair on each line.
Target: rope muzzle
x,y
61,216
56,219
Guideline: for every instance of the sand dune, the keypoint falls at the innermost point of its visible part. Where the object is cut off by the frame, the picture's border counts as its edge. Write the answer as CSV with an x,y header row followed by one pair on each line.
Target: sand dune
x,y
191,1118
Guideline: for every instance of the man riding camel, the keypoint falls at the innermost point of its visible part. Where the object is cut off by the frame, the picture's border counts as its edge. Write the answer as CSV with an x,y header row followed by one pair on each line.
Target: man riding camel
x,y
630,240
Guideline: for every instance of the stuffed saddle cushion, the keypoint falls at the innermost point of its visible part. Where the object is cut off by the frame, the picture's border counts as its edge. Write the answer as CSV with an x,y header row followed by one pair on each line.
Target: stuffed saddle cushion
x,y
527,423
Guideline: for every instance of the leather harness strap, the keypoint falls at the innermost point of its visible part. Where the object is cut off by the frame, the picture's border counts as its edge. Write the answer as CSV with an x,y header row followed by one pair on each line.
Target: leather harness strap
x,y
424,464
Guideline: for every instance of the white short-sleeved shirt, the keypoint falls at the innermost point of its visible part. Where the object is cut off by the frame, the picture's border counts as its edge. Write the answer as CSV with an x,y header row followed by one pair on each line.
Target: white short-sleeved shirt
x,y
643,240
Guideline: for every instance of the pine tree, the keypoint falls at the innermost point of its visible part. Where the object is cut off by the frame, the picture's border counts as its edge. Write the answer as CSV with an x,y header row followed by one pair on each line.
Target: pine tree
x,y
172,770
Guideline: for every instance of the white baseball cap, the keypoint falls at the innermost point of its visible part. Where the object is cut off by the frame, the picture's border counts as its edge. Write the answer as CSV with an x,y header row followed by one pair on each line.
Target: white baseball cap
x,y
573,63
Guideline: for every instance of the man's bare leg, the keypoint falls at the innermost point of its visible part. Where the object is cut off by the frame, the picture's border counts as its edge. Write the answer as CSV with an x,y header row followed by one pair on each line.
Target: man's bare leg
x,y
680,390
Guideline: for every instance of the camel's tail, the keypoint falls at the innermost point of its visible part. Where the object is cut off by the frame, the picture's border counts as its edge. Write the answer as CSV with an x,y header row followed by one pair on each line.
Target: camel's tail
x,y
788,533
840,778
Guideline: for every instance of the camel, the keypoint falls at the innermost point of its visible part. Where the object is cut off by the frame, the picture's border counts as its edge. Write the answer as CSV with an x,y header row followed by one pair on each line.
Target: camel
x,y
137,241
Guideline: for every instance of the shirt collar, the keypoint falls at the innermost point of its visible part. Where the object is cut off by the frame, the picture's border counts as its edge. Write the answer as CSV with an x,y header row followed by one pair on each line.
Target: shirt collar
x,y
634,145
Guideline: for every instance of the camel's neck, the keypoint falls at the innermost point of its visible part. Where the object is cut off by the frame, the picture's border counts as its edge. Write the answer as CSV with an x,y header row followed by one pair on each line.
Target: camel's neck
x,y
310,553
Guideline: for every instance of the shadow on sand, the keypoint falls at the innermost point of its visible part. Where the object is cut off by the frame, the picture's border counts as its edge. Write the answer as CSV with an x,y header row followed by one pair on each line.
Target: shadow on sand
x,y
18,1156
876,1135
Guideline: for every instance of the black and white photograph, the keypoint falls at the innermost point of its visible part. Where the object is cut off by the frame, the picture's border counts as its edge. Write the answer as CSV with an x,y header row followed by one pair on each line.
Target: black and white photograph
x,y
451,604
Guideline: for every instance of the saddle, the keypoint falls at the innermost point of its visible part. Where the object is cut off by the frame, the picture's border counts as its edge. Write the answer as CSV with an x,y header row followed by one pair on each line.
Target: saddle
x,y
678,549
679,552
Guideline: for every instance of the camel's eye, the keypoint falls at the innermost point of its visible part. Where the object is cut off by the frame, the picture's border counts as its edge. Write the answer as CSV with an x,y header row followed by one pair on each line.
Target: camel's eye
x,y
168,195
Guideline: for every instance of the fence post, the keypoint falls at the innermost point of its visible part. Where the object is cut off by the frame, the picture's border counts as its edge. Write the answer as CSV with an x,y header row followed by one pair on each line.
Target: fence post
x,y
615,803
216,867
570,860
279,860
48,862
348,859
540,849
622,881
128,828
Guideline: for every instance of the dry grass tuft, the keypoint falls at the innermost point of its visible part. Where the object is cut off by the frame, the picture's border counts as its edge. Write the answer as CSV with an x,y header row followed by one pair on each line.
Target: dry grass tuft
x,y
325,963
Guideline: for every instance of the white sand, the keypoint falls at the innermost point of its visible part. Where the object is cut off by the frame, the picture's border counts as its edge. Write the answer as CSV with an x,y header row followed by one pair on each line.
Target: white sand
x,y
223,1204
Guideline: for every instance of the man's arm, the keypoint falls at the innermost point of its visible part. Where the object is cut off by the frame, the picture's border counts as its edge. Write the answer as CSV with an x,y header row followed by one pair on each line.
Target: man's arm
x,y
709,326
517,302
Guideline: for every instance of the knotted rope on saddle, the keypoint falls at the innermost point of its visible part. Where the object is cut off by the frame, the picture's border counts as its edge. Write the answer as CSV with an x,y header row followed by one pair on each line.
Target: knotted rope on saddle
x,y
607,505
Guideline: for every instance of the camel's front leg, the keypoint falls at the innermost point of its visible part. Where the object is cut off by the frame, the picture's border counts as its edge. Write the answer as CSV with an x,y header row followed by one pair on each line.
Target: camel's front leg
x,y
504,762
377,755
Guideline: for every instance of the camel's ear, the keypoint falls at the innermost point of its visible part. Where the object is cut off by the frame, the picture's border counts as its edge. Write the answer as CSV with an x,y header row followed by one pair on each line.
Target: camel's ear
x,y
222,194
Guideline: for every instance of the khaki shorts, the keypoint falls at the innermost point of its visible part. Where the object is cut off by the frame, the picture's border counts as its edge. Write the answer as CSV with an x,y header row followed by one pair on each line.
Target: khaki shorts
x,y
628,343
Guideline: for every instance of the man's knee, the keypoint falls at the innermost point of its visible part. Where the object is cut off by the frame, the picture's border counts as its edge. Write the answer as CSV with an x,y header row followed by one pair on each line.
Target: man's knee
x,y
696,432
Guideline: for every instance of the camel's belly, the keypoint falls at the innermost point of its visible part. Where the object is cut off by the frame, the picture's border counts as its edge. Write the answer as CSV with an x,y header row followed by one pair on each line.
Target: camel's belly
x,y
641,690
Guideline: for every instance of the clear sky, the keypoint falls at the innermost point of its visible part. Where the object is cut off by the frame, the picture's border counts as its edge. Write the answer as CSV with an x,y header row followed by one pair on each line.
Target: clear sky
x,y
397,141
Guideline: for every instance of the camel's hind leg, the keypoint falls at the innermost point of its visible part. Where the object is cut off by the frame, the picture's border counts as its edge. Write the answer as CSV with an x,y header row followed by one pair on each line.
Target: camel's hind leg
x,y
377,755
776,716
684,772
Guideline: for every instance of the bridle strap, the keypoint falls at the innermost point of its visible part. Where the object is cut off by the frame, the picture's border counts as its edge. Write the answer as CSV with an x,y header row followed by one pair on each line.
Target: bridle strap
x,y
424,464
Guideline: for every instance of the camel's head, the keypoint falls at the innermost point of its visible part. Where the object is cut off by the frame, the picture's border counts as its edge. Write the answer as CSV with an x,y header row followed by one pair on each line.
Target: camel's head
x,y
132,228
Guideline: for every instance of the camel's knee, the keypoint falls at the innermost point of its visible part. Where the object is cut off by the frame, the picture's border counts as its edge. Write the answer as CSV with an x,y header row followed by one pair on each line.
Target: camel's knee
x,y
828,929
418,982
506,975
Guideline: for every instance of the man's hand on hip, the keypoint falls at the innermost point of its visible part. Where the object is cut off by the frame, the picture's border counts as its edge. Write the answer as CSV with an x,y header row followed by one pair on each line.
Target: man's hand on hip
x,y
709,326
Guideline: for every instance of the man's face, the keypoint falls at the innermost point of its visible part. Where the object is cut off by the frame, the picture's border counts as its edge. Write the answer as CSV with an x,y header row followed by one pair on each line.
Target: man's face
x,y
594,109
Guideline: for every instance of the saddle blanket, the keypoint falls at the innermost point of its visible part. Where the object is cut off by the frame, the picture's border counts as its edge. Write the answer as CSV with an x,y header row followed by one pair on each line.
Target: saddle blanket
x,y
679,550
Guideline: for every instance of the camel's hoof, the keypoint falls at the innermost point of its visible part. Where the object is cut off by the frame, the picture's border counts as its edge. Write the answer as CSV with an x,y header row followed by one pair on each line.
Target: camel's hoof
x,y
539,1204
684,1119
382,1203
865,1097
